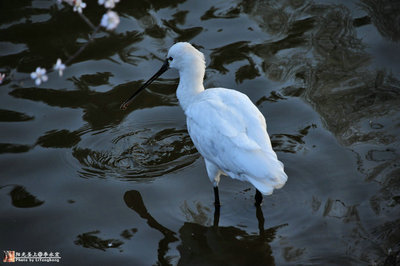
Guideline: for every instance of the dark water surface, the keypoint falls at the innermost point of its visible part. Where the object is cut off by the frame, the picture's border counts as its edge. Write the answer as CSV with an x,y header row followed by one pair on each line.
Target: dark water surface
x,y
104,186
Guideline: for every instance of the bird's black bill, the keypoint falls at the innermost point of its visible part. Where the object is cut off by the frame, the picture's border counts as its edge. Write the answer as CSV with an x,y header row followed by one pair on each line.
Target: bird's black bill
x,y
163,68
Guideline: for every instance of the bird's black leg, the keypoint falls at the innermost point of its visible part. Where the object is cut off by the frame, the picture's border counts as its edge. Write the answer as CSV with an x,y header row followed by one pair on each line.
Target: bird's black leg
x,y
258,197
216,196
261,221
216,215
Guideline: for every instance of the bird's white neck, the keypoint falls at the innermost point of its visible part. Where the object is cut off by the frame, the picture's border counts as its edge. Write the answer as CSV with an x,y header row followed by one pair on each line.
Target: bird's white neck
x,y
190,85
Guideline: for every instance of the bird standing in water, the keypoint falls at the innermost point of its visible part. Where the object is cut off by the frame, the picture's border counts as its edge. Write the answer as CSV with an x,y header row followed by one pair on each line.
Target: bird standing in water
x,y
227,129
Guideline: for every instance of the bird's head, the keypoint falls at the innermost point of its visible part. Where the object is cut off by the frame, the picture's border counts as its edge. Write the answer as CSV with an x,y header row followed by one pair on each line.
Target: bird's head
x,y
181,56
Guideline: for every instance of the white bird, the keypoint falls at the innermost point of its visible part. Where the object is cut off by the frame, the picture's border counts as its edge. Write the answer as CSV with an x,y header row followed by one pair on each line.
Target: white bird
x,y
227,129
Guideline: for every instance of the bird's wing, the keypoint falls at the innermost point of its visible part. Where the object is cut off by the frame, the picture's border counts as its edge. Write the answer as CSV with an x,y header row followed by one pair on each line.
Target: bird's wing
x,y
227,130
226,117
251,119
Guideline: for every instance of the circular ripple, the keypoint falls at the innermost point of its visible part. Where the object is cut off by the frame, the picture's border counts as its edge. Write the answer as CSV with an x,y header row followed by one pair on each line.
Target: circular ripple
x,y
142,148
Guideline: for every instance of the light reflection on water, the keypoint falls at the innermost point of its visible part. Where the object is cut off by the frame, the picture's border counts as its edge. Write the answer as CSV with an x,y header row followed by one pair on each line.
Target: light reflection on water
x,y
324,74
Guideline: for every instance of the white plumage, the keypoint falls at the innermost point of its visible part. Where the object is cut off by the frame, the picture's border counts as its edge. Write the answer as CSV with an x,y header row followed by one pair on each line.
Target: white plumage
x,y
230,133
227,129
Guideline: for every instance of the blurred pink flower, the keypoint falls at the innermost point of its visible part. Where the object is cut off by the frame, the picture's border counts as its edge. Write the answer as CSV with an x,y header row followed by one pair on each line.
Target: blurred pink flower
x,y
2,76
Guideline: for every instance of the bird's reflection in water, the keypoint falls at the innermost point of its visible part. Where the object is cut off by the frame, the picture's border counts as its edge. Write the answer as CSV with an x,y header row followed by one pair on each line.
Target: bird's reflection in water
x,y
211,245
134,200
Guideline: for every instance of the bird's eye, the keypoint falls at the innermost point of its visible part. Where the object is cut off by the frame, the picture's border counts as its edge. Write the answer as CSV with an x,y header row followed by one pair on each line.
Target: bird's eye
x,y
170,59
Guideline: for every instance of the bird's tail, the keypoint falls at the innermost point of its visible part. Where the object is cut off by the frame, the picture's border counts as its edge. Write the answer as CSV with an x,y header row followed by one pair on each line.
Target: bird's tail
x,y
266,185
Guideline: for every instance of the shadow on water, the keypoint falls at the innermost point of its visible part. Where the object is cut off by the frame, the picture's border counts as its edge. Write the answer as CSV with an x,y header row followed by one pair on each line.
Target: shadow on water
x,y
90,240
211,245
201,245
21,198
385,15
134,201
33,34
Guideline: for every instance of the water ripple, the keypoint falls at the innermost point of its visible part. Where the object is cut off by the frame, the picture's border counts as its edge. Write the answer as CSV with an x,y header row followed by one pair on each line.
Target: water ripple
x,y
132,151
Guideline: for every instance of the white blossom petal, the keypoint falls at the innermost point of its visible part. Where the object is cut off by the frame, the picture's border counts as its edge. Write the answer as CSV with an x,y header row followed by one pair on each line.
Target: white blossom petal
x,y
110,20
39,75
59,66
78,5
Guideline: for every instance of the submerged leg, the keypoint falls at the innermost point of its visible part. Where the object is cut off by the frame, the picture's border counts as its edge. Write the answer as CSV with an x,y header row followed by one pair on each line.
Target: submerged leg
x,y
216,196
258,197
216,216
261,221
